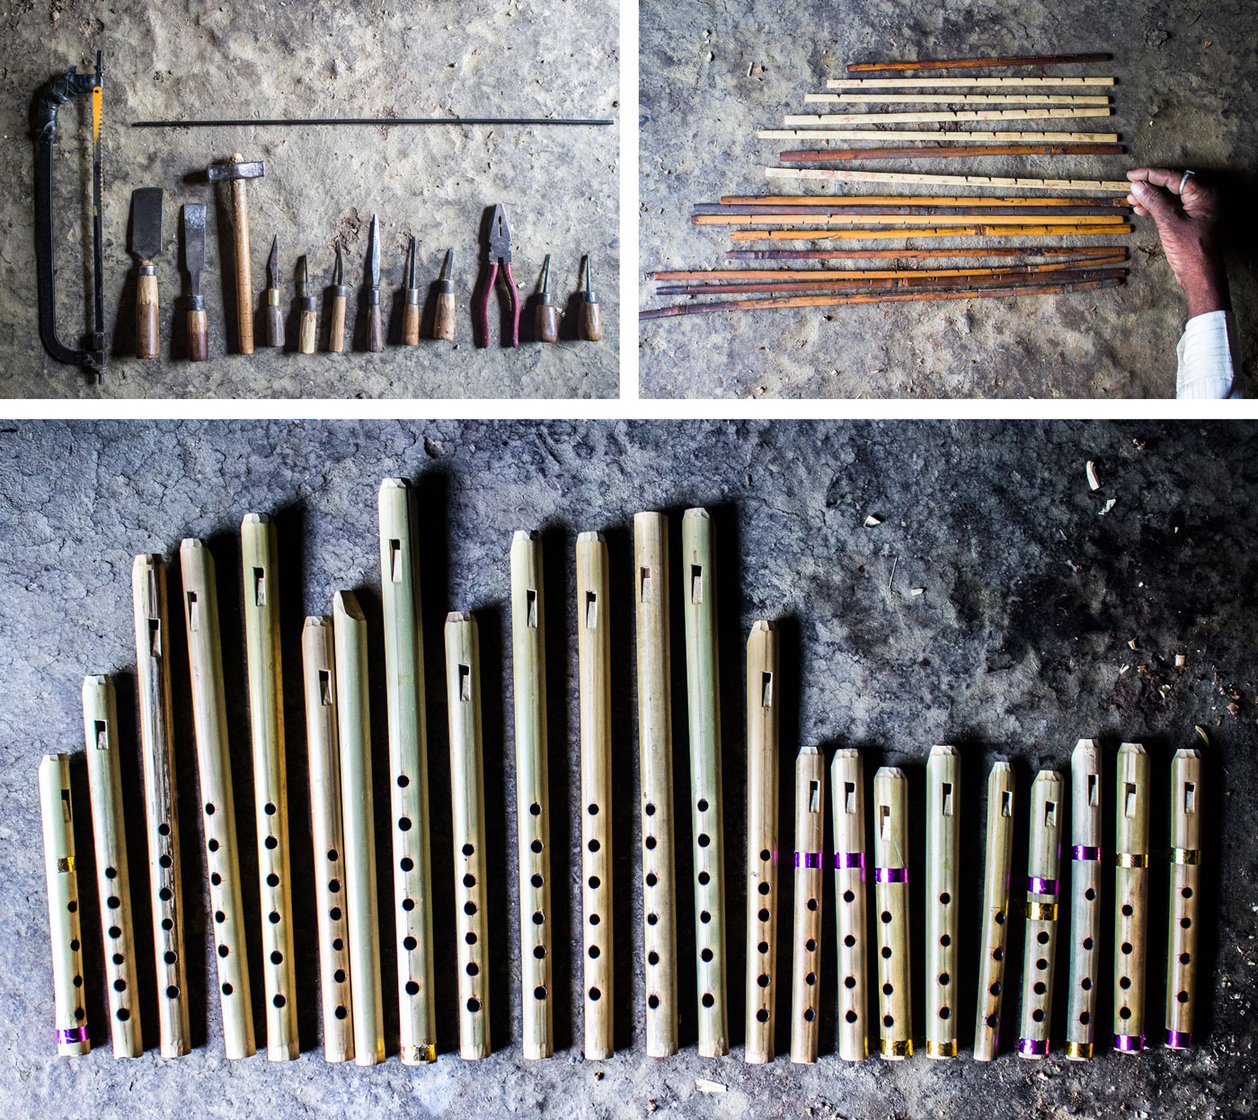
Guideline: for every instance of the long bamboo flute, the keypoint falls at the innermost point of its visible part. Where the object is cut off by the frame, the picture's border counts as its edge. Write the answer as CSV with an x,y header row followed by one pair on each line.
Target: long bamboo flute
x,y
467,797
950,151
1185,887
349,637
1131,893
218,813
260,571
963,83
902,221
152,657
810,802
870,98
113,879
706,803
328,837
847,792
943,886
655,739
826,202
1074,252
939,135
947,231
408,771
891,896
594,673
1043,871
939,116
762,839
532,792
972,63
56,811
845,175
997,872
714,278
1085,898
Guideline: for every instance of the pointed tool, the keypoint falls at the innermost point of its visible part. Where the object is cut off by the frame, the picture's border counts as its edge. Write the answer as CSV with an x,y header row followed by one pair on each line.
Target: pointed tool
x,y
498,256
591,326
194,262
410,321
375,324
274,313
443,322
146,244
547,308
336,327
307,321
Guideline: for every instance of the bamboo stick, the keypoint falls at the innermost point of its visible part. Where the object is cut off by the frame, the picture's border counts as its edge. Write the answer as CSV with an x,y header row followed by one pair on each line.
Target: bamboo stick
x,y
943,135
847,783
1085,898
940,116
113,880
956,98
1074,252
528,657
1185,887
706,804
827,201
714,279
260,570
959,83
152,636
810,799
655,739
950,151
1131,892
594,671
762,839
891,896
844,175
902,221
358,818
467,795
408,771
218,815
958,205
972,63
1043,871
947,231
943,892
328,837
997,870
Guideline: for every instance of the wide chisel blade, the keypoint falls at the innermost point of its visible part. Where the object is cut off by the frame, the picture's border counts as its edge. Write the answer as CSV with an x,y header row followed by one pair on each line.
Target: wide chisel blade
x,y
146,222
194,242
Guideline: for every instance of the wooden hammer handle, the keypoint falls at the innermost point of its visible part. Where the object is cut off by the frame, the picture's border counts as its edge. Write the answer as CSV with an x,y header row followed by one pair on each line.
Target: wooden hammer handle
x,y
244,273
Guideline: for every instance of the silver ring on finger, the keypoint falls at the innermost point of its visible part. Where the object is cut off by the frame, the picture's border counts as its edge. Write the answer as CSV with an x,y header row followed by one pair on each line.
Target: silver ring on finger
x,y
1184,181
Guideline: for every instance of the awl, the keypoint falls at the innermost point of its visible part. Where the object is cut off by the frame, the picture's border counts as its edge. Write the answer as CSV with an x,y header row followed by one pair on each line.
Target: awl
x,y
194,261
375,323
410,319
146,244
547,308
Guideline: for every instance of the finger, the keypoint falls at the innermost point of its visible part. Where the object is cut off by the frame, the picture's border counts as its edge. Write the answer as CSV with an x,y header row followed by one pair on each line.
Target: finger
x,y
1158,176
1161,204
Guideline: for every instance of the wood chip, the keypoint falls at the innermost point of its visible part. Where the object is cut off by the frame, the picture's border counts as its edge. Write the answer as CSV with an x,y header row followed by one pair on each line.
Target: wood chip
x,y
1180,661
706,1086
1108,506
872,520
1133,644
917,591
1093,482
1203,733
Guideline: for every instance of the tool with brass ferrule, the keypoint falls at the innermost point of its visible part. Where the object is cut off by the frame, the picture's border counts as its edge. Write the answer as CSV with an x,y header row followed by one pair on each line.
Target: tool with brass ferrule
x,y
58,91
410,319
443,322
547,308
307,320
498,256
146,244
375,324
194,262
274,313
591,324
336,327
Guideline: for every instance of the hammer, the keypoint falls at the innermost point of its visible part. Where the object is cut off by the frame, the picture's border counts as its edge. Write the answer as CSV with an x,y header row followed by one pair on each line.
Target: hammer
x,y
236,171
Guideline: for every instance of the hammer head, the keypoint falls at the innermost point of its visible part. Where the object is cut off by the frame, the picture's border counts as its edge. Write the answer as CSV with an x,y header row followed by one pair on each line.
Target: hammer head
x,y
235,168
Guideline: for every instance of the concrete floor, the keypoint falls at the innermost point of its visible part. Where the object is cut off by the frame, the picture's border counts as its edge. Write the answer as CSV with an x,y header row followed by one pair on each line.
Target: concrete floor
x,y
559,186
713,74
1017,646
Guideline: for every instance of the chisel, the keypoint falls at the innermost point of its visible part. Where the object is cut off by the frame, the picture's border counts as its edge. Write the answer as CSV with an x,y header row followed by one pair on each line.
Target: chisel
x,y
547,308
194,261
307,321
443,323
336,328
146,244
410,318
375,325
274,313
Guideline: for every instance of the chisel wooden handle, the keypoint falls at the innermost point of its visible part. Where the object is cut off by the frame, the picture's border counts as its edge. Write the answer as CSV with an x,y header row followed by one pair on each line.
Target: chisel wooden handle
x,y
1131,895
375,326
547,322
591,322
274,319
1085,898
148,340
997,869
336,324
443,323
1181,957
847,792
410,318
198,331
891,894
307,328
1043,876
810,800
943,883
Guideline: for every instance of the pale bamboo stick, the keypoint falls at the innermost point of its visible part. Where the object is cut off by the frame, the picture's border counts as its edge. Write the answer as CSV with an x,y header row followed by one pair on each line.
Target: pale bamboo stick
x,y
956,99
218,810
762,839
152,636
981,230
960,83
810,808
113,879
1013,218
1131,893
69,1012
594,671
1043,871
847,786
328,837
1085,899
997,869
891,895
815,200
1185,887
874,120
943,886
467,795
845,175
408,771
959,135
358,819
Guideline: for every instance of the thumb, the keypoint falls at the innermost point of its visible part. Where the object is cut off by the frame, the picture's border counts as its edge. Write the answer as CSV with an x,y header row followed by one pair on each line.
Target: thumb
x,y
1155,200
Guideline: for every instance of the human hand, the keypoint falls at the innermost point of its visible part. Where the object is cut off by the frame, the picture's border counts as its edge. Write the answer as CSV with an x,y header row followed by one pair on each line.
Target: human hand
x,y
1188,216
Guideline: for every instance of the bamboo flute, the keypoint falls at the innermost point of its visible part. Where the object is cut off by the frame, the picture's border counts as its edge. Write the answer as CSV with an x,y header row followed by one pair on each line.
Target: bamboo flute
x,y
827,200
1074,252
872,217
943,884
152,634
113,880
871,98
713,277
408,771
810,801
847,786
655,738
218,814
69,1012
1085,898
1043,870
1185,886
594,671
1131,893
349,629
532,793
962,83
260,570
997,873
328,837
950,151
467,796
706,803
939,116
891,896
846,175
907,234
762,839
971,63
940,135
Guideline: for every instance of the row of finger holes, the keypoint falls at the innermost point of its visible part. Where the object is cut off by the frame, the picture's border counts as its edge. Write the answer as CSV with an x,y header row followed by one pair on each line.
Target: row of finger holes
x,y
651,880
469,908
594,951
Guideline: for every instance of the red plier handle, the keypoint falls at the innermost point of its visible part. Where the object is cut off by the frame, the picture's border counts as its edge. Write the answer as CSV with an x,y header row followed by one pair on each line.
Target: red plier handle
x,y
513,302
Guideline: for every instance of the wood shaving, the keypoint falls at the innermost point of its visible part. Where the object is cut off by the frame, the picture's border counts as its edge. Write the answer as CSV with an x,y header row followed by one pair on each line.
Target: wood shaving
x,y
872,520
1180,661
1093,482
917,591
1203,733
1108,506
706,1086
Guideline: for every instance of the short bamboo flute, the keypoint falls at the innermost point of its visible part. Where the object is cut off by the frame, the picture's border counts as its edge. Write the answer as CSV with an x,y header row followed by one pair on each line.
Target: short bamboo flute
x,y
847,793
943,883
1131,894
1085,898
1185,887
810,802
1043,869
997,870
891,896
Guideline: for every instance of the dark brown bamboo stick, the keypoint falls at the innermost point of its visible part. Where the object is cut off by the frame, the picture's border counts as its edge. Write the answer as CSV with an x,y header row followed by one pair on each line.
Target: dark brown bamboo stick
x,y
1119,203
709,210
924,231
712,275
973,63
960,151
1077,252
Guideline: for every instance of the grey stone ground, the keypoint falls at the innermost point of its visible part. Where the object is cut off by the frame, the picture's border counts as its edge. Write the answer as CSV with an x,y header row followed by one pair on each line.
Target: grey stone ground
x,y
559,185
712,74
1017,646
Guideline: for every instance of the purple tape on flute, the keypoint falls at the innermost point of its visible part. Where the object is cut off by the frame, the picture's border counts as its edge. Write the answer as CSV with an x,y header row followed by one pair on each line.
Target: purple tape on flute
x,y
1036,885
844,861
71,1034
1033,1047
1081,851
891,874
810,859
1129,1043
1179,1040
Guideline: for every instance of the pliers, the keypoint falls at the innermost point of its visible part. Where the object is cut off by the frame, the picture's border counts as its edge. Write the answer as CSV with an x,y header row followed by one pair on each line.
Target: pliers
x,y
498,253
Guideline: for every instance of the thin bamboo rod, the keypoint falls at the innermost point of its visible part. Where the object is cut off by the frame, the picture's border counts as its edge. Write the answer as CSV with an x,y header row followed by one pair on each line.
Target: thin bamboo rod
x,y
985,63
532,792
358,819
1073,252
413,899
1131,893
891,896
847,792
958,206
328,837
961,83
710,277
997,870
945,231
655,744
1085,898
944,135
218,814
940,116
826,201
467,797
906,221
165,879
943,893
810,802
950,151
762,839
846,175
113,879
956,98
1043,874
706,803
1185,889
594,673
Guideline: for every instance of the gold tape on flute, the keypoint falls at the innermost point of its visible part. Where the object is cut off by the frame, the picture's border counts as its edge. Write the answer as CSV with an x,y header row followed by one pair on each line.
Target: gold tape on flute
x,y
943,885
1085,899
1185,890
1043,877
997,872
891,893
1131,893
847,797
810,801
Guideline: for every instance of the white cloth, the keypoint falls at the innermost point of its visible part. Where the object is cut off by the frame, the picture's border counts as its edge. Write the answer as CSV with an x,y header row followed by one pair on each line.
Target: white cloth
x,y
1205,359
